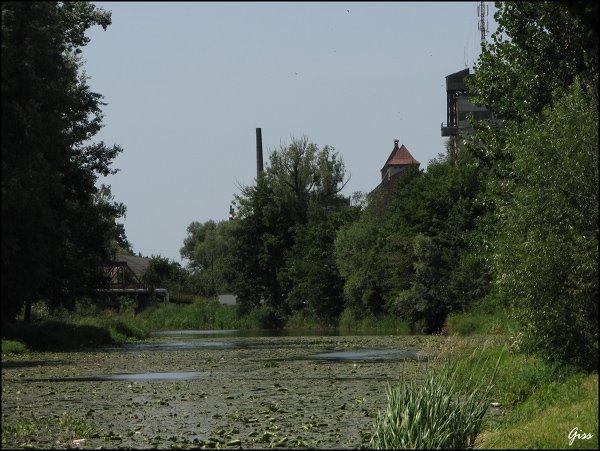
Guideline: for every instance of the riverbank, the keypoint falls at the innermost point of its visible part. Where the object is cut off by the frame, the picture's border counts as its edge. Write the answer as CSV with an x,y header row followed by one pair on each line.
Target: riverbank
x,y
528,394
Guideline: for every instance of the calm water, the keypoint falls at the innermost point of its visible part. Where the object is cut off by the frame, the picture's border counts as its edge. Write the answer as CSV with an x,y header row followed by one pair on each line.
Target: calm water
x,y
177,340
184,386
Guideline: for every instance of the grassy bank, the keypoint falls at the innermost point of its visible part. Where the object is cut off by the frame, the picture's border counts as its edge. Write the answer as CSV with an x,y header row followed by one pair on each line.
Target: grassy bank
x,y
115,322
481,321
532,404
91,325
383,324
535,404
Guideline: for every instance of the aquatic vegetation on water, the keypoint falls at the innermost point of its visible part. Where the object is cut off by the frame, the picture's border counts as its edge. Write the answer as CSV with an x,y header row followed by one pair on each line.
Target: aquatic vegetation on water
x,y
256,392
43,431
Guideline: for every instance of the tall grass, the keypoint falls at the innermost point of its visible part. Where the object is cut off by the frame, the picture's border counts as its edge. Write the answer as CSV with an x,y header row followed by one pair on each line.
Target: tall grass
x,y
350,323
201,314
13,347
443,412
481,322
519,377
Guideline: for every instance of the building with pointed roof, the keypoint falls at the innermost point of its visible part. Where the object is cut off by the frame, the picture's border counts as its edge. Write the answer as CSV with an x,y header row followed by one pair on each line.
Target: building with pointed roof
x,y
396,162
400,158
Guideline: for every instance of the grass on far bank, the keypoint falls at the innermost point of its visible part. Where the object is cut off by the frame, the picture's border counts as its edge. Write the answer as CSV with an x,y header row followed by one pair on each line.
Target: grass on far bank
x,y
109,323
113,322
13,347
383,324
481,322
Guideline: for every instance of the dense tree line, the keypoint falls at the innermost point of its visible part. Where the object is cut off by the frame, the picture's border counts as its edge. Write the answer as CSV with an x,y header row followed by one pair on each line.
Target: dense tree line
x,y
540,76
506,219
57,225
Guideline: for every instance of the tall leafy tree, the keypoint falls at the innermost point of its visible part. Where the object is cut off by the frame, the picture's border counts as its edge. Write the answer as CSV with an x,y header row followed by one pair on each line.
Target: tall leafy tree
x,y
373,255
54,236
546,248
263,233
536,53
110,209
358,258
540,75
209,248
315,284
163,272
302,172
299,177
414,256
423,302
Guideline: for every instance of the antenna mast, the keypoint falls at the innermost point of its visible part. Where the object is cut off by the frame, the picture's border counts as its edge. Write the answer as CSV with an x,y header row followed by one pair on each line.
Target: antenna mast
x,y
482,12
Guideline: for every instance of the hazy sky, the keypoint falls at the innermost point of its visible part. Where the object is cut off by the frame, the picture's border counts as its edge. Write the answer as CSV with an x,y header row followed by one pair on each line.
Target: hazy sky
x,y
187,84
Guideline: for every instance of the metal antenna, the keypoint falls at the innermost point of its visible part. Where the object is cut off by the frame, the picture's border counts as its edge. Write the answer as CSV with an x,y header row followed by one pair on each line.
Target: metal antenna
x,y
482,12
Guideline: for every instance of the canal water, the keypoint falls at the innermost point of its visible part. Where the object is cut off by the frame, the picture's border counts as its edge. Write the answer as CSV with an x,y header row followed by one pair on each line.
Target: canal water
x,y
212,388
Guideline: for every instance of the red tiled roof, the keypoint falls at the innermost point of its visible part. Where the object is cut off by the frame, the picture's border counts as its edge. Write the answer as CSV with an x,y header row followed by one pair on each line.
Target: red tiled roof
x,y
399,156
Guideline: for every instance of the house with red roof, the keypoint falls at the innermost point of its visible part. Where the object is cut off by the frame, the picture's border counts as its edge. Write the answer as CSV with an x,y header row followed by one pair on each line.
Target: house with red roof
x,y
399,159
397,162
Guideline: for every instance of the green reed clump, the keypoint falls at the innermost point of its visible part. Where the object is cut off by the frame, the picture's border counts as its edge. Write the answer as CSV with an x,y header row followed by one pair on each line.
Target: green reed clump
x,y
445,411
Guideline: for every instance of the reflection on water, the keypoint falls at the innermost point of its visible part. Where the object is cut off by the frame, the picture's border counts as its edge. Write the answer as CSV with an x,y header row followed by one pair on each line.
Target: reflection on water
x,y
369,354
196,332
162,376
169,376
175,345
190,340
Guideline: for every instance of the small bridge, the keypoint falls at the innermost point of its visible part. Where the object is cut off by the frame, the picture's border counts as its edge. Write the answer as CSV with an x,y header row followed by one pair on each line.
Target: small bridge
x,y
124,274
125,278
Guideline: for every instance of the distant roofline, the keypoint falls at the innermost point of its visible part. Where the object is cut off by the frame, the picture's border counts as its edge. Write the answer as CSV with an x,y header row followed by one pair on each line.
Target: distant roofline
x,y
460,73
409,158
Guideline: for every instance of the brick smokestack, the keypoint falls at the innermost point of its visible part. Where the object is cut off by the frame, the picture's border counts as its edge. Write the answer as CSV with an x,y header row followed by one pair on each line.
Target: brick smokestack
x,y
259,153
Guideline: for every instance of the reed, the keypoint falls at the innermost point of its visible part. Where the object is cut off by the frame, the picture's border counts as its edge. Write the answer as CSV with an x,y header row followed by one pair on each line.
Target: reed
x,y
444,411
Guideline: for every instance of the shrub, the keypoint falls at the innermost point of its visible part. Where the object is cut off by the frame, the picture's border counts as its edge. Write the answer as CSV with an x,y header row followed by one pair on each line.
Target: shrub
x,y
262,317
546,251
